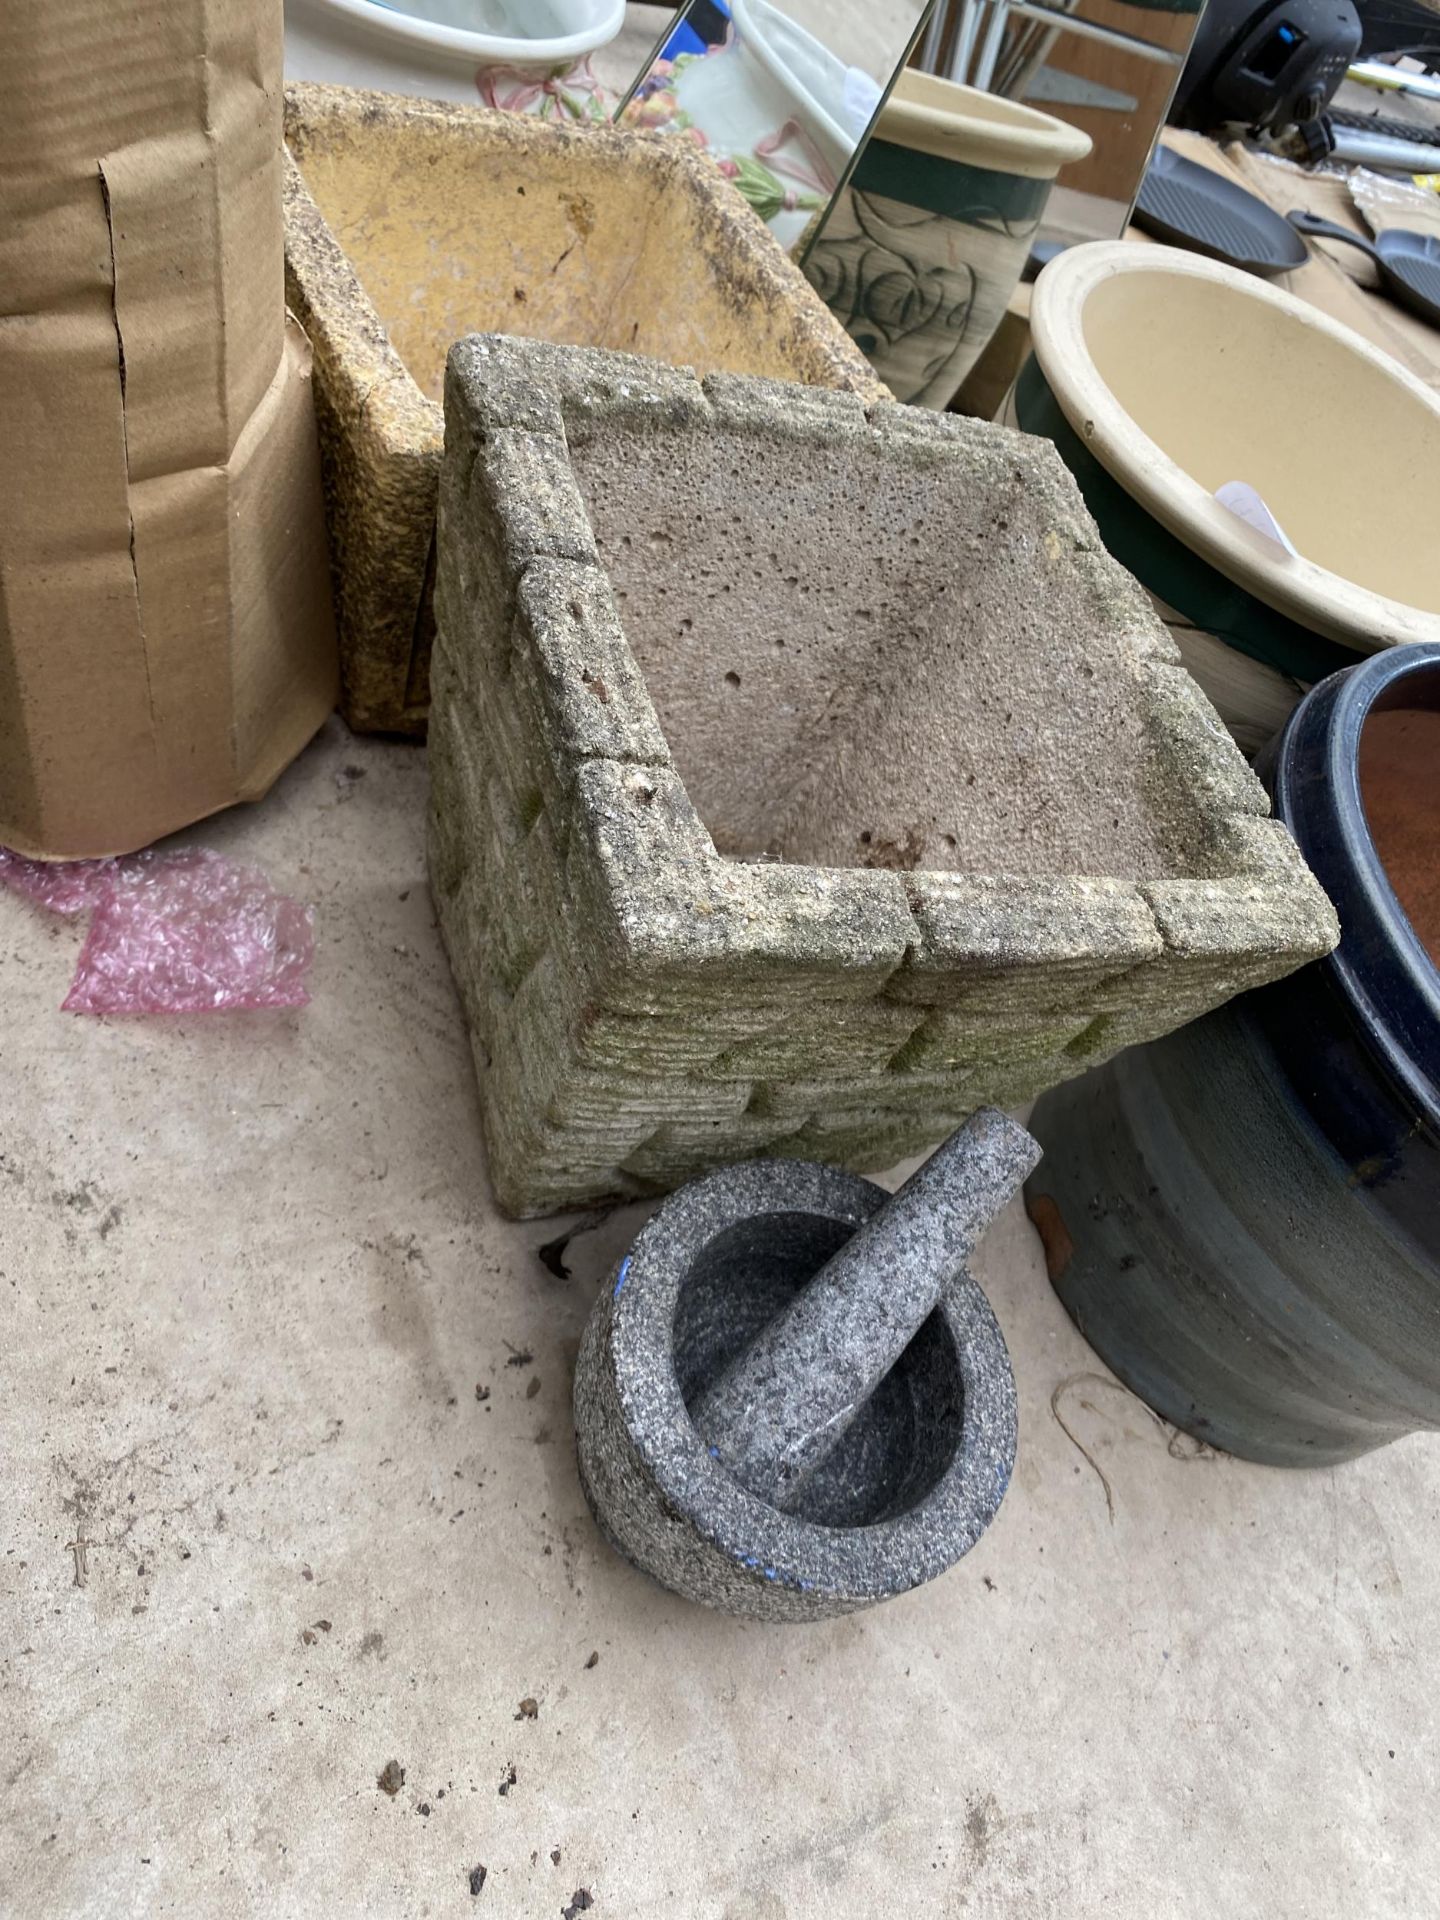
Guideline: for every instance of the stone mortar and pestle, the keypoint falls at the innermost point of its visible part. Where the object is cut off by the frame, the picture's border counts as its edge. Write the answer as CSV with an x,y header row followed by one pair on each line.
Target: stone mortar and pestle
x,y
792,1400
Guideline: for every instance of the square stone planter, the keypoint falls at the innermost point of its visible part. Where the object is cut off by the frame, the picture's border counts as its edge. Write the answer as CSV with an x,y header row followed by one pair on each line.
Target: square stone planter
x,y
805,775
410,223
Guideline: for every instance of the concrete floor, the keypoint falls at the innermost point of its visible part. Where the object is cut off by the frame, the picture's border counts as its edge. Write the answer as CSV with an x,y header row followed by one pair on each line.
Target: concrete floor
x,y
260,1536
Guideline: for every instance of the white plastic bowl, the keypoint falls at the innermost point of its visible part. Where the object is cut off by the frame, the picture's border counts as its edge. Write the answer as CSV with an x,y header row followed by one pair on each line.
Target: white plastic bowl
x,y
359,43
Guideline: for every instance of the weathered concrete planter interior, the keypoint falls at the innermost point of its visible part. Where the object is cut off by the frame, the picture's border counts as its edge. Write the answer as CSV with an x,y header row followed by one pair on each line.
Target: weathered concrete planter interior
x,y
804,777
857,664
410,223
453,231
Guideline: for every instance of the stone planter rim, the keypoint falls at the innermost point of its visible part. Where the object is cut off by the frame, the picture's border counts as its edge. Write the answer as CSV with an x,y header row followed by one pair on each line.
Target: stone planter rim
x,y
897,1554
1301,589
949,121
679,1031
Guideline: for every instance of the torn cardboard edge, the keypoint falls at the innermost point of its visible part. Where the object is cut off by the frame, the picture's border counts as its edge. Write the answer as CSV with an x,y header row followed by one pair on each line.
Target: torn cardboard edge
x,y
166,636
232,658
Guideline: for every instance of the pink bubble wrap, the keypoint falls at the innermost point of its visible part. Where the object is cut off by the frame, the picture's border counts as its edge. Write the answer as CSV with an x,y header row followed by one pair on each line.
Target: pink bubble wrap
x,y
181,932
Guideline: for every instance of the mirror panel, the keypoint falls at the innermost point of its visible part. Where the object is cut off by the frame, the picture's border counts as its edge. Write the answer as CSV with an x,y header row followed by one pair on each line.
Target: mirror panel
x,y
782,93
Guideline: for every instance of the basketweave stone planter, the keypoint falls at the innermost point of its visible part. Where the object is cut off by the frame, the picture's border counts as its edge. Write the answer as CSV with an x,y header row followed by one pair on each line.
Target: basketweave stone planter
x,y
409,223
805,776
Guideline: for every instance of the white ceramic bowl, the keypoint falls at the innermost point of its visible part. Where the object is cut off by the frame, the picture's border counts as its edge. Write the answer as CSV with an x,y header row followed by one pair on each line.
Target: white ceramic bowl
x,y
359,43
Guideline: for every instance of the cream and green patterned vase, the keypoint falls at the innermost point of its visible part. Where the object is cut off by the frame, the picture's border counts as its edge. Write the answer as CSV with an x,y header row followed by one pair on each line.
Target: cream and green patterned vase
x,y
923,249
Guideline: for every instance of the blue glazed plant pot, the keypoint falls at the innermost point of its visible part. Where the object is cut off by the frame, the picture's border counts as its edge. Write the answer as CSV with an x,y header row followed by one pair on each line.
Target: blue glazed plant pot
x,y
1244,1218
922,250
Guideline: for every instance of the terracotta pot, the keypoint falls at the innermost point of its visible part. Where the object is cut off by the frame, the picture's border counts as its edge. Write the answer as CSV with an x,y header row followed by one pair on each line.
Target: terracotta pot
x,y
1160,376
1244,1218
924,248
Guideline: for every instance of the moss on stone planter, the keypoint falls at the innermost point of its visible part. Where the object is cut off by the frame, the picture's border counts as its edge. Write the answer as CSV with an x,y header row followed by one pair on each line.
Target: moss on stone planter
x,y
410,223
804,776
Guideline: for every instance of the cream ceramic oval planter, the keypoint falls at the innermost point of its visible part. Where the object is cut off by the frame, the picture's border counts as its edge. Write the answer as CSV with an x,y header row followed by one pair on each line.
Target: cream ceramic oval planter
x,y
1161,376
924,248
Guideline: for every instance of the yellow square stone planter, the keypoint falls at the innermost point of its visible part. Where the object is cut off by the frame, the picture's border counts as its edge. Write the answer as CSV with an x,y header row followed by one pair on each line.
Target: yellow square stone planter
x,y
410,223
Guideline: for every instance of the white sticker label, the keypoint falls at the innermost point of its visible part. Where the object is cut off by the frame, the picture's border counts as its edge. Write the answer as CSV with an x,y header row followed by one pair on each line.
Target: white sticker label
x,y
1241,499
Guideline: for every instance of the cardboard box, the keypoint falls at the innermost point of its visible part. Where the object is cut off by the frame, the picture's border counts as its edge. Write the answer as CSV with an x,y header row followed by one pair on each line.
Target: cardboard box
x,y
166,643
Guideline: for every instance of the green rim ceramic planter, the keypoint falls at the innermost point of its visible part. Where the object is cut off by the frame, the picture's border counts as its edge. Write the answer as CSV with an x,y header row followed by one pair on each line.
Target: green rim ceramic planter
x,y
1160,376
924,247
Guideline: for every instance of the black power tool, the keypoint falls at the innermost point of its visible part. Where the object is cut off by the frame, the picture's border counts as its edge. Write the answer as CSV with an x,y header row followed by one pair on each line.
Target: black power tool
x,y
1265,68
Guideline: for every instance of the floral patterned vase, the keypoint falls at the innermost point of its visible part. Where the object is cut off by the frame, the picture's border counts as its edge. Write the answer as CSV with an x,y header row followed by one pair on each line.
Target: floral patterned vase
x,y
564,93
923,249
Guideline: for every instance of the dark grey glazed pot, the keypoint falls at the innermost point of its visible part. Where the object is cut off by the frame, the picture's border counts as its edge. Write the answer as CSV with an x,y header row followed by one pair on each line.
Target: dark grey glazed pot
x,y
1246,1215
